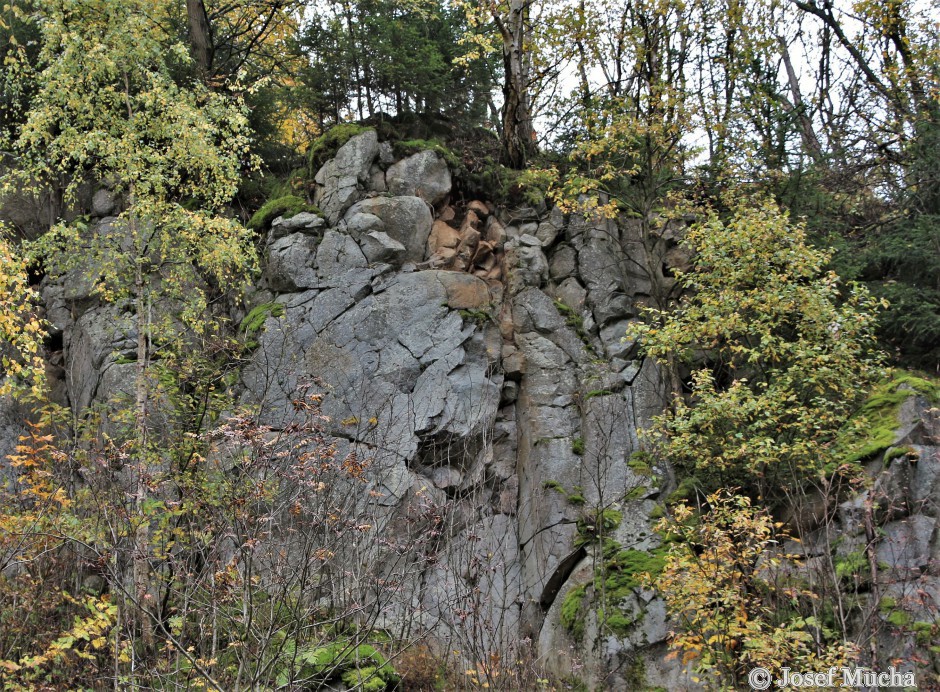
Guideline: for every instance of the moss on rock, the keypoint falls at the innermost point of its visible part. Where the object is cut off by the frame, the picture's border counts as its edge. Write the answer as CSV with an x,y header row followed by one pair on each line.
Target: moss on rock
x,y
288,205
324,147
572,617
873,428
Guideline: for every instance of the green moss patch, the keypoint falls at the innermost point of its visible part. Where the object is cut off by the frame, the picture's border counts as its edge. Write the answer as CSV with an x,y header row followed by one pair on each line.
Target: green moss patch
x,y
687,490
853,568
576,322
905,451
925,632
597,526
641,463
617,574
288,206
873,427
572,615
407,147
624,570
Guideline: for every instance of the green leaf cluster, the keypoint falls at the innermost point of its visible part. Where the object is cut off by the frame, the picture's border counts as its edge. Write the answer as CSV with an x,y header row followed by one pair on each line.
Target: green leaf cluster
x,y
781,354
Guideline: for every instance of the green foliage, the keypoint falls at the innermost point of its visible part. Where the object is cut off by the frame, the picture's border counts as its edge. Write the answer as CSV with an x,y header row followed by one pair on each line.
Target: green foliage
x,y
324,147
107,107
788,354
287,206
901,263
22,369
255,319
687,490
366,56
853,568
577,446
348,660
718,581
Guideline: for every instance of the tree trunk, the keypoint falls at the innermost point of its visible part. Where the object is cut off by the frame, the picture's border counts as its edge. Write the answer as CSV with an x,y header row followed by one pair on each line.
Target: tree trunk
x,y
810,141
200,37
518,134
141,554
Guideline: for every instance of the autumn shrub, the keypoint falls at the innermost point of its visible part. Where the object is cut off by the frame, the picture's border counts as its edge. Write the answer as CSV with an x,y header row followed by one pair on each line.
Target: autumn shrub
x,y
781,353
729,587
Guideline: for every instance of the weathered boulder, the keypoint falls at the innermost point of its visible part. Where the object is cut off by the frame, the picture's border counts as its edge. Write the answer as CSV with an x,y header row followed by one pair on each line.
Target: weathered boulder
x,y
98,348
304,222
564,263
377,246
548,230
404,219
291,262
336,255
528,266
103,203
343,178
423,175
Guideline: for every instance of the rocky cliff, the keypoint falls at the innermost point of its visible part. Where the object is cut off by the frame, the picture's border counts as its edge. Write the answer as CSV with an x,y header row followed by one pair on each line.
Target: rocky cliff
x,y
475,357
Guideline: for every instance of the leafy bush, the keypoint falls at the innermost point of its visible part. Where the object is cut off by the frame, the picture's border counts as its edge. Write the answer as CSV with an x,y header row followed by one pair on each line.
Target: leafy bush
x,y
783,355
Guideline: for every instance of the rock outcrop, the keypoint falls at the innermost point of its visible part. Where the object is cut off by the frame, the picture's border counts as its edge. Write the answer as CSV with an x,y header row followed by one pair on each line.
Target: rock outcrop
x,y
476,357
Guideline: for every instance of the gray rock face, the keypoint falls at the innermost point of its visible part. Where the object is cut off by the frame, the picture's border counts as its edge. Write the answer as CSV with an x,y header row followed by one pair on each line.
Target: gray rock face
x,y
510,415
335,257
103,203
342,179
548,230
423,175
404,219
304,222
402,355
529,266
291,262
379,247
12,426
